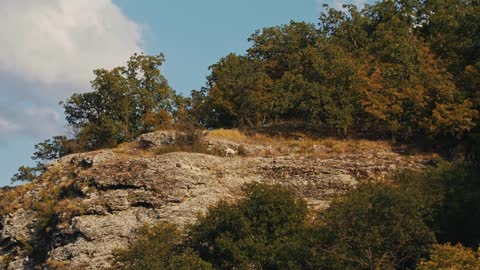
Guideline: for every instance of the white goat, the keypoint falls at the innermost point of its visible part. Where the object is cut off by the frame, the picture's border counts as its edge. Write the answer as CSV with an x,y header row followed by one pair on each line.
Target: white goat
x,y
230,152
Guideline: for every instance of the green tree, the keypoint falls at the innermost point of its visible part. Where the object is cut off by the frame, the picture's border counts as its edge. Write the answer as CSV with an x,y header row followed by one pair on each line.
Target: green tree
x,y
280,46
200,110
46,151
54,148
453,29
252,233
331,97
27,174
159,247
283,52
126,102
239,91
452,192
376,227
290,71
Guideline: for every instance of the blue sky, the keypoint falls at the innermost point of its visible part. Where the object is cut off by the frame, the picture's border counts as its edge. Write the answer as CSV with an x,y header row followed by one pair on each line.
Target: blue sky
x,y
50,54
195,34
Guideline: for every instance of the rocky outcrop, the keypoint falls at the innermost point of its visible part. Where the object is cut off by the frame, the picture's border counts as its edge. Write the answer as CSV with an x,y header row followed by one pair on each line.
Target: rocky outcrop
x,y
156,139
99,198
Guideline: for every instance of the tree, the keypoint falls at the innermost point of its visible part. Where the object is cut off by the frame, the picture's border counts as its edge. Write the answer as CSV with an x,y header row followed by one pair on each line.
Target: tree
x,y
331,98
453,29
239,91
290,72
279,47
54,148
406,82
158,247
126,102
448,257
376,227
200,110
454,192
452,120
27,174
251,233
46,151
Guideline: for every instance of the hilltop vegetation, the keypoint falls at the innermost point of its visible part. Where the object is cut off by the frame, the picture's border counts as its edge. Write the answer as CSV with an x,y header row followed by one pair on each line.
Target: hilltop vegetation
x,y
399,69
402,70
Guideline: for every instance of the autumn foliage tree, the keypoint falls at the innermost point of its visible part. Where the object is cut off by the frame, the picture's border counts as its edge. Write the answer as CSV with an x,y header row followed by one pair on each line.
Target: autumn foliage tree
x,y
448,257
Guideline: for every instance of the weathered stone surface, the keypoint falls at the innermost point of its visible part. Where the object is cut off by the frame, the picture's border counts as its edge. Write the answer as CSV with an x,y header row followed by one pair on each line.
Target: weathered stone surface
x,y
85,159
158,138
119,194
14,234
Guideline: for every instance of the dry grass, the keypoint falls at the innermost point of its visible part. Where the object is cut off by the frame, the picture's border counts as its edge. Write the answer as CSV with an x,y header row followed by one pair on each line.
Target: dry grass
x,y
189,139
337,145
300,141
5,260
132,149
57,265
233,135
46,203
11,199
297,142
14,198
353,145
69,208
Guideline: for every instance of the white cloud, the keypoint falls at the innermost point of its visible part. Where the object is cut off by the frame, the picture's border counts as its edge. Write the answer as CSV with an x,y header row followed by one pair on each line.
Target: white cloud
x,y
53,41
48,50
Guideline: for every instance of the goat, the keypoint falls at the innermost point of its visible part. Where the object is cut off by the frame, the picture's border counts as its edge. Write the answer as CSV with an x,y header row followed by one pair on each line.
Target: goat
x,y
230,152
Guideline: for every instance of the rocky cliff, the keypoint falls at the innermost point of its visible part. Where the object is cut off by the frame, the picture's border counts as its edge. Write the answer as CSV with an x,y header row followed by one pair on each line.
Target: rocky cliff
x,y
87,205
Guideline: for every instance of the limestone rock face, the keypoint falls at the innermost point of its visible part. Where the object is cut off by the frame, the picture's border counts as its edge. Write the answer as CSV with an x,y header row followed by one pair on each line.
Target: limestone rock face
x,y
98,199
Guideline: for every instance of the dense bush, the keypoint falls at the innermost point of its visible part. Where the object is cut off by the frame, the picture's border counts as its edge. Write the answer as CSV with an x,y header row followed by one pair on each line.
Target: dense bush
x,y
447,257
377,227
46,151
251,233
26,173
451,192
158,247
